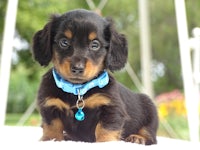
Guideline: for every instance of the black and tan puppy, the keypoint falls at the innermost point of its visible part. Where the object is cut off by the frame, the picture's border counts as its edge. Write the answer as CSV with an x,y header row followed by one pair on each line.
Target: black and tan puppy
x,y
78,99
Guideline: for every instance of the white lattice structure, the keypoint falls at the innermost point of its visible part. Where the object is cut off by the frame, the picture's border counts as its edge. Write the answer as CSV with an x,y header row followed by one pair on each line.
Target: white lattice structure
x,y
190,68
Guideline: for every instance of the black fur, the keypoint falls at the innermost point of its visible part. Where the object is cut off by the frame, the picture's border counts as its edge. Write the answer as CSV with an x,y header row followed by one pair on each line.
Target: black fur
x,y
118,113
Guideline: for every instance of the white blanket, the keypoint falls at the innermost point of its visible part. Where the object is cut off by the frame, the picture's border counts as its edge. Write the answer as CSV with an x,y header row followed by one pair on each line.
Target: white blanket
x,y
26,138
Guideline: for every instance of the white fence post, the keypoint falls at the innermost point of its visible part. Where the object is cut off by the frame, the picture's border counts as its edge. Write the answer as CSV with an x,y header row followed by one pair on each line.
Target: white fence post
x,y
6,55
187,74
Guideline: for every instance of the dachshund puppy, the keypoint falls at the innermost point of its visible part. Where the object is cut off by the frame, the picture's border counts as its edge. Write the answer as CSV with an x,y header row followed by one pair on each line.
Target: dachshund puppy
x,y
78,97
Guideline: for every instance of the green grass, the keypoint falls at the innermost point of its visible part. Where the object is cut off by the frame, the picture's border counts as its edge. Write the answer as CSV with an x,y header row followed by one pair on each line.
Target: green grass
x,y
13,119
174,127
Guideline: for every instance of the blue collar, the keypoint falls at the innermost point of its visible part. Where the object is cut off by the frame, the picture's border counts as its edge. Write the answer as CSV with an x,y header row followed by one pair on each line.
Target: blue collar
x,y
76,89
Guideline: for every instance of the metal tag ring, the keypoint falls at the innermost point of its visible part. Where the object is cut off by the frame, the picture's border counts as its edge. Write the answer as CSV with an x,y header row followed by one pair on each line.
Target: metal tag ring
x,y
78,102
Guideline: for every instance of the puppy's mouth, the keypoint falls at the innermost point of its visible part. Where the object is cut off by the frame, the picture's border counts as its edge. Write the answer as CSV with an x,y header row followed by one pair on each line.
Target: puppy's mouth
x,y
77,80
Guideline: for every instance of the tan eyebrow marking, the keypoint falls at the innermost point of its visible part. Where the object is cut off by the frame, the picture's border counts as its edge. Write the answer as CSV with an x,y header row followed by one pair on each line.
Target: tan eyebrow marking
x,y
68,34
92,36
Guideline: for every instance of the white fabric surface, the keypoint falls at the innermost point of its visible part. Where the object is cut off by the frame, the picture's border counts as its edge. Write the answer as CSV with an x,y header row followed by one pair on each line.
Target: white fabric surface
x,y
24,138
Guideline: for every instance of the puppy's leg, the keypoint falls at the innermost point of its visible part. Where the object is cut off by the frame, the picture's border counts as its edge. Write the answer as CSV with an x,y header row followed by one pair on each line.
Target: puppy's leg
x,y
144,136
53,112
53,131
104,135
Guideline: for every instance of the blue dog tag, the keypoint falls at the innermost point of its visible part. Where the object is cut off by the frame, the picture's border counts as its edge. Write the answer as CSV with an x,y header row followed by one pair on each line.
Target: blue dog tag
x,y
80,115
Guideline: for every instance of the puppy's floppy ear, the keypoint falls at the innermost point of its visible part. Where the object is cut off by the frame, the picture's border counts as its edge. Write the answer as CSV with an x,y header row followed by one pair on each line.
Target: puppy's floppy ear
x,y
43,41
118,48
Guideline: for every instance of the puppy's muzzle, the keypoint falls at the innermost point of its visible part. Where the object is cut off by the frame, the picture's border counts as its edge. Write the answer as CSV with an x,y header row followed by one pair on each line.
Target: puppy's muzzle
x,y
77,66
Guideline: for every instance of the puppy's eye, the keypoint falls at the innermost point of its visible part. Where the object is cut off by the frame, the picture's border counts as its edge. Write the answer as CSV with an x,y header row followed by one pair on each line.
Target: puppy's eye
x,y
94,45
63,43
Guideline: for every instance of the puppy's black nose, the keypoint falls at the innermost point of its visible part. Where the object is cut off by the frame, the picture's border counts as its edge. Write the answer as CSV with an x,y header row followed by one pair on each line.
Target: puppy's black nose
x,y
77,69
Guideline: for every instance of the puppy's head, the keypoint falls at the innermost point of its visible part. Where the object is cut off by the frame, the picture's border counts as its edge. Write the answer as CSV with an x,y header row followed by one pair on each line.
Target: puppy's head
x,y
80,44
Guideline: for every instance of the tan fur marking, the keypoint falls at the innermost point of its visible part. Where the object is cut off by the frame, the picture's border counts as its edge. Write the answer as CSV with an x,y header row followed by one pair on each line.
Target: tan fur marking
x,y
68,34
53,131
56,102
104,135
96,100
64,68
92,36
143,132
91,70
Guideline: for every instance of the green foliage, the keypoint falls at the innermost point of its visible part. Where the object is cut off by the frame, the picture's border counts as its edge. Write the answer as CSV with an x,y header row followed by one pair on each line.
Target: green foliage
x,y
2,16
22,90
165,45
177,128
33,15
32,120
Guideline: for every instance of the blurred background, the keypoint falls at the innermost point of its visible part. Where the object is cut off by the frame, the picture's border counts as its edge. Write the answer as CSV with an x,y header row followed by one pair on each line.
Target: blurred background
x,y
167,80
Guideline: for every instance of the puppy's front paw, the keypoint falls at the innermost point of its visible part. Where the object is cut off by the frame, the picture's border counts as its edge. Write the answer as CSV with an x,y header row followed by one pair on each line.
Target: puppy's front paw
x,y
134,138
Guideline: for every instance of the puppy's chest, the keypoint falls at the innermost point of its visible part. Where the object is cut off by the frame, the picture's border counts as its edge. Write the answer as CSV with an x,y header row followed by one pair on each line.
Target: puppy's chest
x,y
90,102
80,108
72,103
91,108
